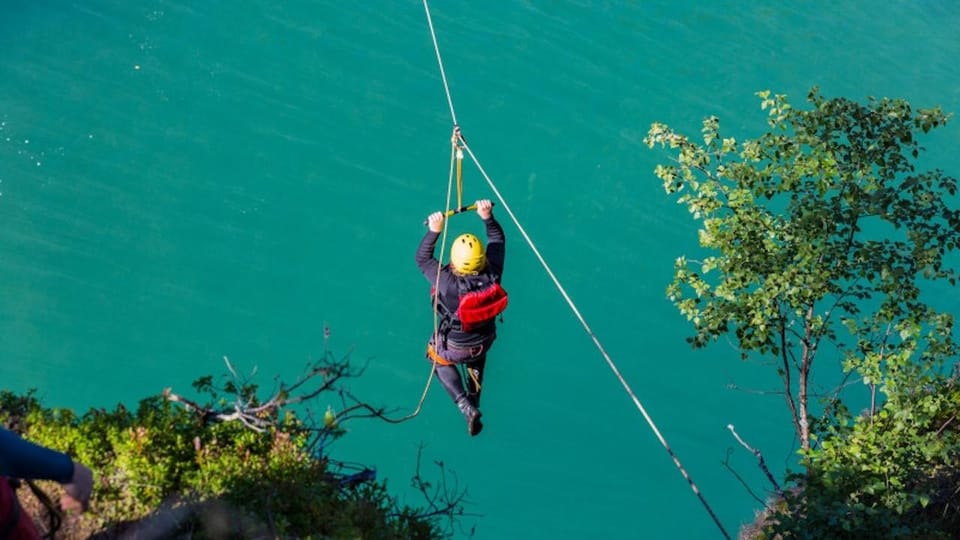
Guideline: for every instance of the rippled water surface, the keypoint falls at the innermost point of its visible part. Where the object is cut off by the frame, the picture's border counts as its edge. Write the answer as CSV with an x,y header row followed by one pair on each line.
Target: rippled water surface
x,y
184,181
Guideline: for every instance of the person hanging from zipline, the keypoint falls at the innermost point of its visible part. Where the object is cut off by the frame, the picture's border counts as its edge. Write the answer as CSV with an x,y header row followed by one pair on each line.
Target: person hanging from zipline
x,y
468,299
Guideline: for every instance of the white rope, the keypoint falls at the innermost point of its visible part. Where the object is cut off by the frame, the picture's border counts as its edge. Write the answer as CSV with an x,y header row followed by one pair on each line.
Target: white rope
x,y
573,307
596,341
443,75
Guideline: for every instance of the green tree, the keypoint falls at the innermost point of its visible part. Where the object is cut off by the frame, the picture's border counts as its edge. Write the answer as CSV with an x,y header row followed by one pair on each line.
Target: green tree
x,y
819,235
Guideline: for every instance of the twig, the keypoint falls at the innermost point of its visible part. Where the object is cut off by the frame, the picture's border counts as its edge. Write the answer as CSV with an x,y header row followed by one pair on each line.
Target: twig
x,y
734,386
726,463
945,424
442,500
762,463
236,400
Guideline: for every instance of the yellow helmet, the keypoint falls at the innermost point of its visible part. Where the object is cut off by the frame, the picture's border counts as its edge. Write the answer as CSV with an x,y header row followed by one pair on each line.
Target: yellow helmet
x,y
466,254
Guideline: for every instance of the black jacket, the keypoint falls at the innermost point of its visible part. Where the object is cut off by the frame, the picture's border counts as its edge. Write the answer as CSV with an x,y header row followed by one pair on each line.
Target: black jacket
x,y
449,287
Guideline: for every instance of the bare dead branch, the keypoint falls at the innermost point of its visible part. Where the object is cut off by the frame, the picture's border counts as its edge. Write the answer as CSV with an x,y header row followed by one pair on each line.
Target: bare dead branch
x,y
442,499
726,463
734,386
760,460
328,376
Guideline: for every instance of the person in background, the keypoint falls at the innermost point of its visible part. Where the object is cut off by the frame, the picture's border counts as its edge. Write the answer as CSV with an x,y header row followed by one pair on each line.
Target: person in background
x,y
469,299
21,459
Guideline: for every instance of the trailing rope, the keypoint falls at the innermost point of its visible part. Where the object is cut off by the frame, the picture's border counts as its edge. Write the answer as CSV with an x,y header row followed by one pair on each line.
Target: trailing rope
x,y
455,155
563,292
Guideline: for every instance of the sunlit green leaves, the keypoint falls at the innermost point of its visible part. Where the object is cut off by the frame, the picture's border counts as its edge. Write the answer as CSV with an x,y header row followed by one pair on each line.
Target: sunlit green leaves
x,y
788,216
822,230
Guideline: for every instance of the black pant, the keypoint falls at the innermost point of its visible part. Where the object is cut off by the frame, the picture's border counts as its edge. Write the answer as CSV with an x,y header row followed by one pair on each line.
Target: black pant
x,y
471,358
452,380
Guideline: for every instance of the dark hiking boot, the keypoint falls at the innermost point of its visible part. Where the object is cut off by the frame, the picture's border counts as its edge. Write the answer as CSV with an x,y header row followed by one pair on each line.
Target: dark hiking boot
x,y
475,398
471,414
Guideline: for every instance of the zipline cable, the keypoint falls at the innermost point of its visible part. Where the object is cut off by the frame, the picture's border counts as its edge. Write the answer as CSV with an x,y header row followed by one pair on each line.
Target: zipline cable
x,y
443,75
563,292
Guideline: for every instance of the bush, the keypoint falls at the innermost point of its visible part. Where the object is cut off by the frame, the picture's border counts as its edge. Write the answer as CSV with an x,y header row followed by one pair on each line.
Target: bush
x,y
164,460
892,474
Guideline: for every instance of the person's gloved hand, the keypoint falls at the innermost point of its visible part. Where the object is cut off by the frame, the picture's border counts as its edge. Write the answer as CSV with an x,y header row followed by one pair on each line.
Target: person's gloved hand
x,y
435,222
484,208
77,492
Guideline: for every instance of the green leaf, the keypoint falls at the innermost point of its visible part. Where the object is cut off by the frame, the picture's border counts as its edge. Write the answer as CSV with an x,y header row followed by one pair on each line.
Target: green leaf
x,y
825,233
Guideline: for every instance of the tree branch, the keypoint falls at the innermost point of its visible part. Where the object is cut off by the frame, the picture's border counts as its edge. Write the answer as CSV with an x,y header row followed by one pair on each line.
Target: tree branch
x,y
945,424
726,463
788,389
760,460
327,375
442,499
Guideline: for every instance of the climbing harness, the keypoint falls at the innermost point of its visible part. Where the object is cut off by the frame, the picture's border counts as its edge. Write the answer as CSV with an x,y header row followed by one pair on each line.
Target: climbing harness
x,y
435,356
460,144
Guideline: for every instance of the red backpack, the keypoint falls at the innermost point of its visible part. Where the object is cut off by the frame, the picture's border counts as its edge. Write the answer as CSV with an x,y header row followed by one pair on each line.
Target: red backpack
x,y
480,300
480,306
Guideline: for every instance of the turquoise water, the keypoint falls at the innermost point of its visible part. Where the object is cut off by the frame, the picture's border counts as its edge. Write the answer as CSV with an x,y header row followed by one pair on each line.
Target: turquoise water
x,y
185,181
